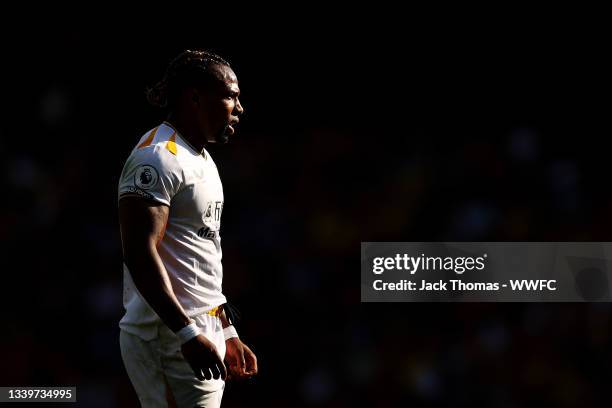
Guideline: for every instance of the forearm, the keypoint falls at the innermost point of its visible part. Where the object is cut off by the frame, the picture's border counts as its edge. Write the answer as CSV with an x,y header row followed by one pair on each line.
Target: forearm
x,y
224,321
151,279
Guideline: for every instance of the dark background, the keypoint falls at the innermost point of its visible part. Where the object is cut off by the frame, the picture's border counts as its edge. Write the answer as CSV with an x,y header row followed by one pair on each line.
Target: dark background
x,y
379,129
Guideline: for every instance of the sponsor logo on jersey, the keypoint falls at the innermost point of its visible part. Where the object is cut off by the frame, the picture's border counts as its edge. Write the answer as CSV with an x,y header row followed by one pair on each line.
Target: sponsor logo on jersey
x,y
145,177
206,232
211,218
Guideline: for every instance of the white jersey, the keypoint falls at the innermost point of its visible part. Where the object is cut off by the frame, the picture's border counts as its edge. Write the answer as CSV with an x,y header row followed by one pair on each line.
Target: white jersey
x,y
164,168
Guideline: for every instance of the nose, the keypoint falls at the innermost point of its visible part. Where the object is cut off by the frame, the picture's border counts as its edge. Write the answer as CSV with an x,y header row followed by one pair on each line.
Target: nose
x,y
238,108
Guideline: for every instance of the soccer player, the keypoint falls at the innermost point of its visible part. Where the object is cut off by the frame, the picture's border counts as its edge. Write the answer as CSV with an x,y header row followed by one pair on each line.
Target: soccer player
x,y
176,334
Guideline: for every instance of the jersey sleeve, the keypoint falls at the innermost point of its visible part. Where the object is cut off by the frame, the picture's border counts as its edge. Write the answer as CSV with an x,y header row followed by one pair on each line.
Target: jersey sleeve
x,y
150,174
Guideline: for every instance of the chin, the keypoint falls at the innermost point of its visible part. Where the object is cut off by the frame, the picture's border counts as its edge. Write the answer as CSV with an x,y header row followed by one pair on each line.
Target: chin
x,y
223,136
219,138
222,139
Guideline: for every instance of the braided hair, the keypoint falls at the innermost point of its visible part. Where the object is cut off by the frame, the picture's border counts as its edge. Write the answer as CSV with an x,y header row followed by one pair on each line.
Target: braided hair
x,y
189,68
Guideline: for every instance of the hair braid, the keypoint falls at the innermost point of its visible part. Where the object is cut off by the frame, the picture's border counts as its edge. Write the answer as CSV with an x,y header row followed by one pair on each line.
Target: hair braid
x,y
189,68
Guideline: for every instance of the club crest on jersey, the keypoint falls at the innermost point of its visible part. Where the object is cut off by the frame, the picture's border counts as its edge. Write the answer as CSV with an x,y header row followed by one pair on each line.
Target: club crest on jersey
x,y
212,212
145,177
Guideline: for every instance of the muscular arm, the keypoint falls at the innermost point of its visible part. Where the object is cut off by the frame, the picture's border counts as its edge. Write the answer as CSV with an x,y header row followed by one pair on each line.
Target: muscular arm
x,y
142,227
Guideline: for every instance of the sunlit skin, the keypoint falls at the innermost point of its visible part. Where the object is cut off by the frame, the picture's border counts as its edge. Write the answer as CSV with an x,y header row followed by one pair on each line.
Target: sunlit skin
x,y
209,114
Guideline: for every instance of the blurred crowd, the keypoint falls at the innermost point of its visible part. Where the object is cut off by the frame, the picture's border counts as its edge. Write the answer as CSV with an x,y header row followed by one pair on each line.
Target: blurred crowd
x,y
300,196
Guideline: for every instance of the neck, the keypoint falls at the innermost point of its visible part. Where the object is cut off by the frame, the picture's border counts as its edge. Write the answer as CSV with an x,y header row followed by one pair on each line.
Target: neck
x,y
186,127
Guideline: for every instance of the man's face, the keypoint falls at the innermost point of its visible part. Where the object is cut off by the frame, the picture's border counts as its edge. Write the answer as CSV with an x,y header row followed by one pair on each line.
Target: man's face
x,y
219,107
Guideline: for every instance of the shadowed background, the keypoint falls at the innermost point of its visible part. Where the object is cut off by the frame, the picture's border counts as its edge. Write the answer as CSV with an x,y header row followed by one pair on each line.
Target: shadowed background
x,y
349,135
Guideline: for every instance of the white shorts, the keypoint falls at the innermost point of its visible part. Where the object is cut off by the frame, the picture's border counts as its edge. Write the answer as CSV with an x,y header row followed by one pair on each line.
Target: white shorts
x,y
157,368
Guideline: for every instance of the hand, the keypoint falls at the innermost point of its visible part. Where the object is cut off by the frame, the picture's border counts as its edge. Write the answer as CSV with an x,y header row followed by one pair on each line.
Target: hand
x,y
202,356
241,361
251,361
